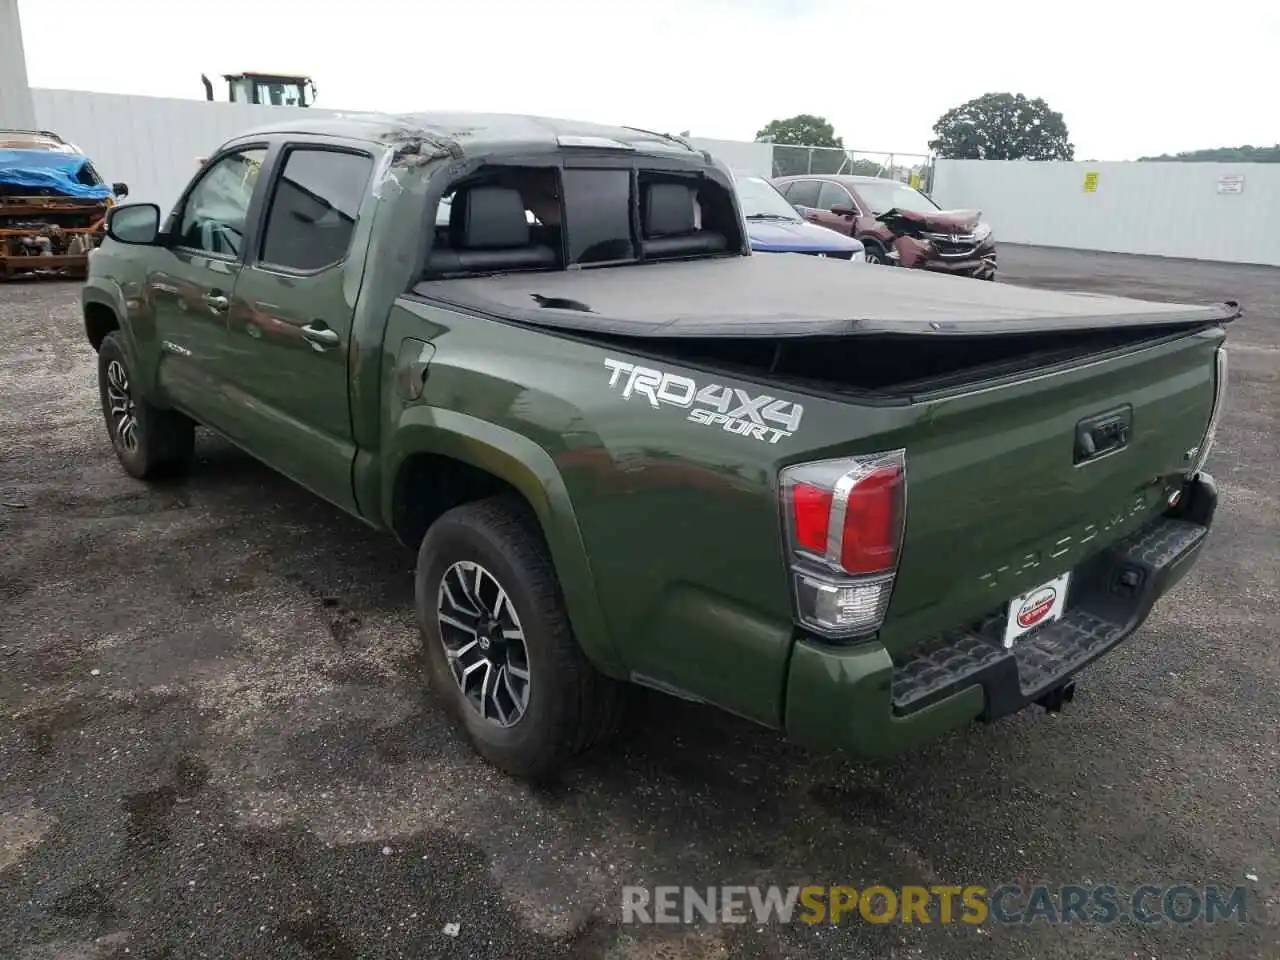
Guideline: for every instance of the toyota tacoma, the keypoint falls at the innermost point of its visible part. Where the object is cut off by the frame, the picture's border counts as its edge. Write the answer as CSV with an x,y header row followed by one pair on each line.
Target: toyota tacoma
x,y
863,507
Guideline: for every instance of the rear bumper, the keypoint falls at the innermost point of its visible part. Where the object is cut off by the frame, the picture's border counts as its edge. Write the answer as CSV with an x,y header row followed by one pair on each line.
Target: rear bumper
x,y
859,700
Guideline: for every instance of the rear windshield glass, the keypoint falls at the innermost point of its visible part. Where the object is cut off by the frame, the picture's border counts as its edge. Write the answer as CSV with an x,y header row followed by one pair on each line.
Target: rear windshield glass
x,y
597,207
504,218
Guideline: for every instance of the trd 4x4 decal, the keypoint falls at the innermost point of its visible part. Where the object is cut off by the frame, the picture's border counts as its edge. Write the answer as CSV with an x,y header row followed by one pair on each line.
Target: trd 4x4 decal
x,y
764,417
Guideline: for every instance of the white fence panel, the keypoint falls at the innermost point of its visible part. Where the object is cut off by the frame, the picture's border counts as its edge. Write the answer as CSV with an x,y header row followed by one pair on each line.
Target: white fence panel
x,y
15,96
151,143
1202,211
739,156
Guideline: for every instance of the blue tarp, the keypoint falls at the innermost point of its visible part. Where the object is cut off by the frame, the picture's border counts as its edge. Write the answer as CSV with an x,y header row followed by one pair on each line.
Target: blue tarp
x,y
50,169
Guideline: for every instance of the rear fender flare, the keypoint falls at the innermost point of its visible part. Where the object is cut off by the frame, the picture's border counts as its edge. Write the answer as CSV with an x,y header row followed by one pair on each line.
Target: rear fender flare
x,y
528,468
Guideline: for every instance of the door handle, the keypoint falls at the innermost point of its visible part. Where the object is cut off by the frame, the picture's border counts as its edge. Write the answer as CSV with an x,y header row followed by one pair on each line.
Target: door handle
x,y
216,303
320,335
1102,434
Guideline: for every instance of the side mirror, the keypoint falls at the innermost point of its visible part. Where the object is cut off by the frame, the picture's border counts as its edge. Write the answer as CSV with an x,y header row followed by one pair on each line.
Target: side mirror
x,y
136,223
120,189
843,210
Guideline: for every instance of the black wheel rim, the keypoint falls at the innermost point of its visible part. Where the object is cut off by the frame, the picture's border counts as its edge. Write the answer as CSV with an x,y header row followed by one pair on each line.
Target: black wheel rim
x,y
123,416
484,643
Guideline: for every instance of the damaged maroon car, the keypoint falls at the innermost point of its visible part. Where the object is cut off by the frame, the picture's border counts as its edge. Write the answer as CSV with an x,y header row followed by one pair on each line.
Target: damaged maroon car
x,y
898,225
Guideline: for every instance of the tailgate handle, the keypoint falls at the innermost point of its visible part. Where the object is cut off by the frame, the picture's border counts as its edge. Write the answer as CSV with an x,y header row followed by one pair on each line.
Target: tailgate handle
x,y
1104,433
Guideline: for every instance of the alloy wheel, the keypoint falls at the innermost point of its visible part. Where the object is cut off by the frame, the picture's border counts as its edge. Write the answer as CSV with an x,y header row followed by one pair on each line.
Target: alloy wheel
x,y
484,643
124,417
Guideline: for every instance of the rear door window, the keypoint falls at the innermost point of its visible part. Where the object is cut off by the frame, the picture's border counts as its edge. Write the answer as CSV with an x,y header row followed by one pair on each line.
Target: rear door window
x,y
597,206
313,210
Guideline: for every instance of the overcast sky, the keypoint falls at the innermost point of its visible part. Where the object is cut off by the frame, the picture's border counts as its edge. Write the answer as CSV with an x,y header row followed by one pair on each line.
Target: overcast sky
x,y
1131,77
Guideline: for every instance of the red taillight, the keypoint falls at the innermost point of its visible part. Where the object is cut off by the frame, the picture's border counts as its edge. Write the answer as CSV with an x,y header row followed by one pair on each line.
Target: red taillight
x,y
867,499
845,521
811,514
872,522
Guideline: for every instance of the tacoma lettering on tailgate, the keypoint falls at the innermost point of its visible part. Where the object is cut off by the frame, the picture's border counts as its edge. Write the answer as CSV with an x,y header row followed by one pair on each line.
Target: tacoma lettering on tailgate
x,y
764,418
1072,545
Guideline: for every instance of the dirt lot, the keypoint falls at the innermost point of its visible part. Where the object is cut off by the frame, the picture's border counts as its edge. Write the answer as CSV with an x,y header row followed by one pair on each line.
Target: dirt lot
x,y
214,740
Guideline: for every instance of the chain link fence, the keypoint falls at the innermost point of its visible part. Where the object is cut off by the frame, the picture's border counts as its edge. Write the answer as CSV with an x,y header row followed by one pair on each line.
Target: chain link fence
x,y
915,169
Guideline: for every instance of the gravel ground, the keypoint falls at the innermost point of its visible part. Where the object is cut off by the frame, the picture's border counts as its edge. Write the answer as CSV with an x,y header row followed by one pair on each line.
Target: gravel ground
x,y
214,740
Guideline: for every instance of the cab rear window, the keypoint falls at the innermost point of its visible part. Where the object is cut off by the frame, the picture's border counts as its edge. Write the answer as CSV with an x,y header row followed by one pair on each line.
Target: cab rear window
x,y
503,218
597,205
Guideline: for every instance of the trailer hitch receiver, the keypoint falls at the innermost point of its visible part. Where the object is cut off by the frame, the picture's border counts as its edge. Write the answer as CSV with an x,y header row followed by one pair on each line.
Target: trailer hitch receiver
x,y
1058,697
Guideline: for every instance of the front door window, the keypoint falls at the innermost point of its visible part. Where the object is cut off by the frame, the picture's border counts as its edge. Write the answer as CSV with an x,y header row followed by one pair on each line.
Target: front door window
x,y
804,193
832,194
214,217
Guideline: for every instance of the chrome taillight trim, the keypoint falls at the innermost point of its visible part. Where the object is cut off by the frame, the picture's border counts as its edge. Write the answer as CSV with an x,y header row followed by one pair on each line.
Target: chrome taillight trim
x,y
1215,413
839,508
840,499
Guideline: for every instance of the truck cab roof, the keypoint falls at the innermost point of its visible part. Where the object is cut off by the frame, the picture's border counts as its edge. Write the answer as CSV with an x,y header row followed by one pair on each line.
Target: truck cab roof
x,y
478,134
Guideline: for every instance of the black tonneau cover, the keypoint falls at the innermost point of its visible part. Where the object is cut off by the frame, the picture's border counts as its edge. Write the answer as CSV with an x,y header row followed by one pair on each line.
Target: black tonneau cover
x,y
795,295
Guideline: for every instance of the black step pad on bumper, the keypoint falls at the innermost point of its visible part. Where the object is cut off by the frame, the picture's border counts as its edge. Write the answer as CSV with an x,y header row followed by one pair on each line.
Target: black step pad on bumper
x,y
1110,596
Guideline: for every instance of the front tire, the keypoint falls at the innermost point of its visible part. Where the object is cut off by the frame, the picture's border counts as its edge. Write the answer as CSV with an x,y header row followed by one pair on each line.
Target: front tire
x,y
149,442
875,255
499,648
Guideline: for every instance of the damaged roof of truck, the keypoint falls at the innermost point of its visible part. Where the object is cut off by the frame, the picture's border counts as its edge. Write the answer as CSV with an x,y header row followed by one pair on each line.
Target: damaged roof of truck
x,y
478,134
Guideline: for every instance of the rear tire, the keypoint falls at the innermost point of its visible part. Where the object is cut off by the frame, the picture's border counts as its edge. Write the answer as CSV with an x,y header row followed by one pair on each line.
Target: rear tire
x,y
149,442
499,648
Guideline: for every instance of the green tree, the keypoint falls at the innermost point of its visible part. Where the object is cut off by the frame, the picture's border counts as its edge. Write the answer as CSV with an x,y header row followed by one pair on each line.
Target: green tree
x,y
1002,126
1245,154
802,130
793,136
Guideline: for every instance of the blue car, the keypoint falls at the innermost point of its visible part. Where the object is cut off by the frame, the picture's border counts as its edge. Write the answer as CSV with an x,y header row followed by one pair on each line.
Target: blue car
x,y
774,226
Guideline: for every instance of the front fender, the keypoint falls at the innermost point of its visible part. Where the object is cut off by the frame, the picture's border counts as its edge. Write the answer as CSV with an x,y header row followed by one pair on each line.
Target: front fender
x,y
529,469
103,292
129,312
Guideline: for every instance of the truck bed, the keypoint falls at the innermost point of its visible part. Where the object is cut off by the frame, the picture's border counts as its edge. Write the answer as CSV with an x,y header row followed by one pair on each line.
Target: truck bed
x,y
792,295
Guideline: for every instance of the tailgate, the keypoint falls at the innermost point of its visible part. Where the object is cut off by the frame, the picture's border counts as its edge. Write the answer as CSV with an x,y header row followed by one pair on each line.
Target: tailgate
x,y
1002,494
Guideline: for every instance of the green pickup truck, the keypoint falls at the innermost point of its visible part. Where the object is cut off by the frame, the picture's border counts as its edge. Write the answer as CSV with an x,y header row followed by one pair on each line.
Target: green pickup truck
x,y
862,506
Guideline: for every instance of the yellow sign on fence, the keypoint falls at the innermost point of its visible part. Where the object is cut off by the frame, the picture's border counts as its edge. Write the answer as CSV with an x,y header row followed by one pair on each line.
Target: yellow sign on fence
x,y
1091,182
